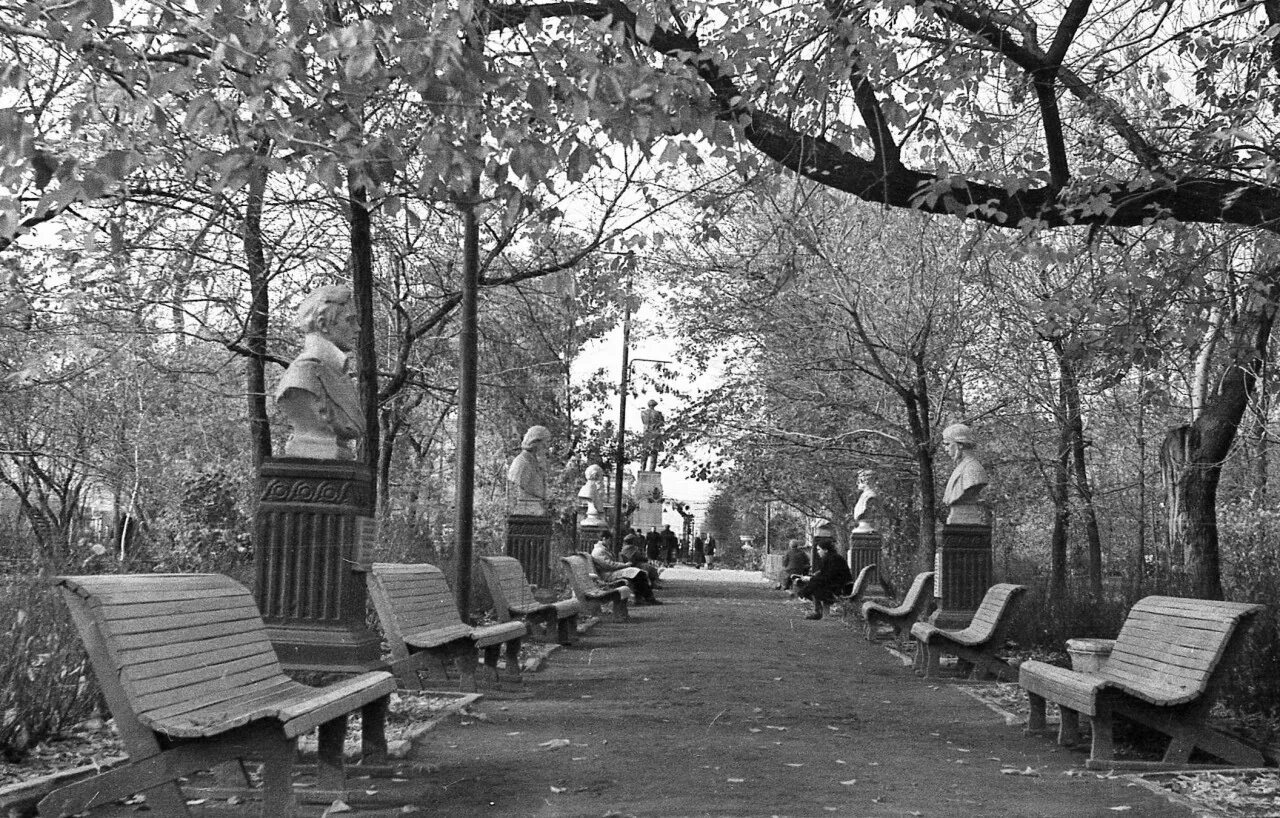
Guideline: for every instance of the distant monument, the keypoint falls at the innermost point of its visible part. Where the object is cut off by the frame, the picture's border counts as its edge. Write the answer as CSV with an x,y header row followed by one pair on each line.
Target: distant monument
x,y
648,489
529,523
315,522
652,439
962,565
595,494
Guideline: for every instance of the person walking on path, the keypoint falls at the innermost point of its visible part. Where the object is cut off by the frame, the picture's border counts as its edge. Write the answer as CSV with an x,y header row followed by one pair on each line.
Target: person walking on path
x,y
828,580
670,545
709,551
653,545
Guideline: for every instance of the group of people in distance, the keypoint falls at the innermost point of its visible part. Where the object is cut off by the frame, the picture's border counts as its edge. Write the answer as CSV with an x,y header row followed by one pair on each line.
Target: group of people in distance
x,y
821,579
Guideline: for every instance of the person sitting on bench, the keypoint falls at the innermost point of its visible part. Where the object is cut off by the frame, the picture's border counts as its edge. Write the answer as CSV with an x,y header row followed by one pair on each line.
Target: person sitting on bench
x,y
794,565
830,577
609,568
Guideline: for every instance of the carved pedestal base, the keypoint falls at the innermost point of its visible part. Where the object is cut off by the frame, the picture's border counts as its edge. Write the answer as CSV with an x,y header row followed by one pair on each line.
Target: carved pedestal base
x,y
529,540
648,491
588,535
313,516
962,573
864,550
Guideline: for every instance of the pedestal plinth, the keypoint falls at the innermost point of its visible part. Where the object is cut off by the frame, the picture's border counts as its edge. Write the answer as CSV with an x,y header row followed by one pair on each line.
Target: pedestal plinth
x,y
772,567
529,540
314,518
648,492
864,550
588,535
962,573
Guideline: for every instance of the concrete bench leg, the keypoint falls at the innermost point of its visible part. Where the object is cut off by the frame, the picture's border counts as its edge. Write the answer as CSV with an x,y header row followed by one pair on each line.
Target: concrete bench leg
x,y
1068,727
513,660
1103,749
373,729
329,769
464,659
491,655
278,757
619,609
566,630
1035,721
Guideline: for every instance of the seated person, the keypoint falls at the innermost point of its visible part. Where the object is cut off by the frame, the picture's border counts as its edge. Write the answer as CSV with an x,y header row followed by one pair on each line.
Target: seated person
x,y
610,568
633,551
828,581
795,564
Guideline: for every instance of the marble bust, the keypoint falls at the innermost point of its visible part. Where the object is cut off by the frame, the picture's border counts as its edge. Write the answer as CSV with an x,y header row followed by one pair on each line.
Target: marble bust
x,y
968,478
868,502
316,395
651,439
527,477
594,493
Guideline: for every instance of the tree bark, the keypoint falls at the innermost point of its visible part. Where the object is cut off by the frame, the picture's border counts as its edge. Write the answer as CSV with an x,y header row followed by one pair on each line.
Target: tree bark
x,y
255,331
1074,438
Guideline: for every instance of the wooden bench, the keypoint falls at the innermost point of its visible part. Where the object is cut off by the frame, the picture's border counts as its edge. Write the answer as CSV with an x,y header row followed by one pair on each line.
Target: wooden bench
x,y
591,592
1164,672
193,682
419,616
900,617
512,599
851,596
975,645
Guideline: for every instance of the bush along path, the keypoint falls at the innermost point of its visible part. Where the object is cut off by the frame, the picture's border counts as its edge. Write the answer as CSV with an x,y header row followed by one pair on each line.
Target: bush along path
x,y
726,701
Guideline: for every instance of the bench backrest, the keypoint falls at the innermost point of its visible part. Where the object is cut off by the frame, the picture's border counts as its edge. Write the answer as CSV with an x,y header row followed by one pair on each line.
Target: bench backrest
x,y
411,598
507,584
579,569
920,592
1170,648
864,577
993,612
167,644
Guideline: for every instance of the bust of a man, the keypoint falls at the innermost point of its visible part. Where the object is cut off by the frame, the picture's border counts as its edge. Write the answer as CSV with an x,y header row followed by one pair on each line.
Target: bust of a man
x,y
316,395
868,502
968,478
593,491
527,477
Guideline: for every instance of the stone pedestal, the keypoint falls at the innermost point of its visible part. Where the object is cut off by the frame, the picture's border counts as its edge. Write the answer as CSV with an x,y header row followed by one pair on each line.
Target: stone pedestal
x,y
529,540
315,518
772,567
962,573
648,493
864,550
588,535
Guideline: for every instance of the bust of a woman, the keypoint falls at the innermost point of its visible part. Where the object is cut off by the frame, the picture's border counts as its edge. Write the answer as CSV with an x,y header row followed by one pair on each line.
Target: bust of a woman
x,y
527,477
868,502
968,478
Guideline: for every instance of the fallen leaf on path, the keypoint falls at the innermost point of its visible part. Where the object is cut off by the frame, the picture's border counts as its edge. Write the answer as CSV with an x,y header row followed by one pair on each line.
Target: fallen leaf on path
x,y
771,727
1119,809
558,789
850,782
754,730
736,780
335,808
1029,771
516,733
555,743
841,761
791,764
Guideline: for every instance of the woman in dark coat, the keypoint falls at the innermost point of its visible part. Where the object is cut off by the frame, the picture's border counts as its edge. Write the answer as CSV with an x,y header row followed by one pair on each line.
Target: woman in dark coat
x,y
830,577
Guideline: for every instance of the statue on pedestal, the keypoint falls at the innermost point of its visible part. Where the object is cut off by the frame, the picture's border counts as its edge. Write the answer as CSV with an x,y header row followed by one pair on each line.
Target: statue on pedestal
x,y
316,394
868,502
527,477
596,496
651,440
968,478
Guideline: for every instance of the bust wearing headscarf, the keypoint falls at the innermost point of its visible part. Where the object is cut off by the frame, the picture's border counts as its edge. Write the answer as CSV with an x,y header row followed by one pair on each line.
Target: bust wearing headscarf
x,y
593,492
526,477
868,502
316,395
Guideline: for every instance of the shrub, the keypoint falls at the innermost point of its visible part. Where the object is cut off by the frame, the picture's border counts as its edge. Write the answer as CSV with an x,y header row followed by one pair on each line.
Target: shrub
x,y
45,681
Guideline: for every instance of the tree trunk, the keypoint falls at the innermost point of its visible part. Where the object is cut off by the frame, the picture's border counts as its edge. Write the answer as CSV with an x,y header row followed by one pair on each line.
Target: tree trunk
x,y
1212,434
1061,507
255,333
1074,437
